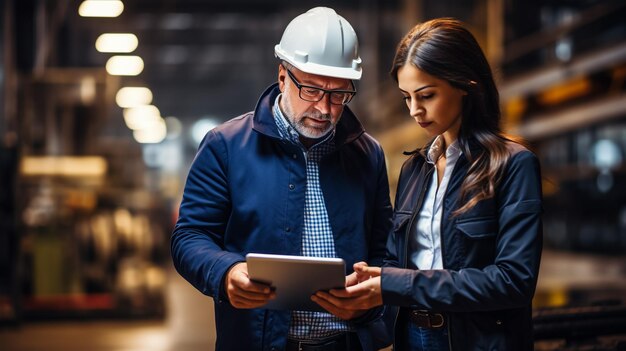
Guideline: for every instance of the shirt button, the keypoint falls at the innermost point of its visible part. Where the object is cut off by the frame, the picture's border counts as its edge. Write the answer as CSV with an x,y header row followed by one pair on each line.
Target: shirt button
x,y
295,156
287,229
291,186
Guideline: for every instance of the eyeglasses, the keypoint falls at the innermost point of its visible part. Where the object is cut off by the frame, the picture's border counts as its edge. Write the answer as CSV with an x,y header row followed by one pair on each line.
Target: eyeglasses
x,y
315,94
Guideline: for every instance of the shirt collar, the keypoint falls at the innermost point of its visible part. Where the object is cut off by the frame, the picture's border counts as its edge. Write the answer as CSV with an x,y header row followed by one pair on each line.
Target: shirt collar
x,y
437,148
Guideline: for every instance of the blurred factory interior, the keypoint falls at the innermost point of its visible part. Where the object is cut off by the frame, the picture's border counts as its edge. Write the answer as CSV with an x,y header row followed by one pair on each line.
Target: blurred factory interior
x,y
90,194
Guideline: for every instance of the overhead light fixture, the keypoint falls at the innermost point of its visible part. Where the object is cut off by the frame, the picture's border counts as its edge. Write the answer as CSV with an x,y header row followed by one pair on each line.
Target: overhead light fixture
x,y
124,65
101,8
174,127
152,132
201,127
87,90
64,166
128,97
138,117
117,42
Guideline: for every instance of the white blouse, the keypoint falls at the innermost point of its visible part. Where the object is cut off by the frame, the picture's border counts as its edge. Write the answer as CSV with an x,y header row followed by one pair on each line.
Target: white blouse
x,y
425,241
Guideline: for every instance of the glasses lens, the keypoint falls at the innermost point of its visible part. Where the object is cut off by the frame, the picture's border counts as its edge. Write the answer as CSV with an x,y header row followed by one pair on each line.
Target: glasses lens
x,y
314,94
340,98
311,94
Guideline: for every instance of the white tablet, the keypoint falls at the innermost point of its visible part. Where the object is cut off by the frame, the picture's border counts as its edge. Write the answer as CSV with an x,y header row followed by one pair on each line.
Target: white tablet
x,y
296,278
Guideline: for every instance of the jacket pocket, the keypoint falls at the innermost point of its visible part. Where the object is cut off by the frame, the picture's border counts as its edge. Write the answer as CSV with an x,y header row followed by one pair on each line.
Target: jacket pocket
x,y
478,228
478,241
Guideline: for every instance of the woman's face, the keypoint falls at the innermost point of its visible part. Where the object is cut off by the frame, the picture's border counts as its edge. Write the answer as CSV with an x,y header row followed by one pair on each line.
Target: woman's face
x,y
434,104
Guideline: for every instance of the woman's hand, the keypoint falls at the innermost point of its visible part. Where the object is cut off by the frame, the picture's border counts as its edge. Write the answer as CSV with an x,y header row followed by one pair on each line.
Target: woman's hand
x,y
360,274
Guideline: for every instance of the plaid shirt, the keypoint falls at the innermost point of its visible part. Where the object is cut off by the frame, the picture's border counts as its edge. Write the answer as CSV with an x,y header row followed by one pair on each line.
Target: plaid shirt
x,y
317,237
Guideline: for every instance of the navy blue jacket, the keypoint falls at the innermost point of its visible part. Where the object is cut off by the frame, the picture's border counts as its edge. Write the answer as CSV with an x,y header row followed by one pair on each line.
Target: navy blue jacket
x,y
490,256
245,193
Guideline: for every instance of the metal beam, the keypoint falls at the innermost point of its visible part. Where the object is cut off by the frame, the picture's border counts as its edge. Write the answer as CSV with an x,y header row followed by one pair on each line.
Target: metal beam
x,y
576,117
545,77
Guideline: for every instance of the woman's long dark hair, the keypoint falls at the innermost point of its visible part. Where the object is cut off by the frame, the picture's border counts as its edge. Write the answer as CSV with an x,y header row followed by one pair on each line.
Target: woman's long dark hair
x,y
446,50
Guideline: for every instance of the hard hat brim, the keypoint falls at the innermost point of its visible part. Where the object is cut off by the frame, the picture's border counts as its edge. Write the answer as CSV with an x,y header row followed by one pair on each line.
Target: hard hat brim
x,y
321,70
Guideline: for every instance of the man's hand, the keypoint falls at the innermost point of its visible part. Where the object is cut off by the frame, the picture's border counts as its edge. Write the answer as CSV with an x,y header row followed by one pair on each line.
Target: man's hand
x,y
362,296
244,293
343,313
344,304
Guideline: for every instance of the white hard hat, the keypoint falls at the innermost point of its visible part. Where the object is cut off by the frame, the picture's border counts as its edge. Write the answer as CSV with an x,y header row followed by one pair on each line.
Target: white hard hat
x,y
321,42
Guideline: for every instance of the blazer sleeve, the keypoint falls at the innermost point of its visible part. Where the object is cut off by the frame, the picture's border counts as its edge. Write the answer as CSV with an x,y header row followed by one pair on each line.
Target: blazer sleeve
x,y
197,242
507,283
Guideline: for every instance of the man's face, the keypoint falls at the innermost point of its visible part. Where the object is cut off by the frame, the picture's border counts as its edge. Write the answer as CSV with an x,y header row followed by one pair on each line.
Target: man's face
x,y
312,120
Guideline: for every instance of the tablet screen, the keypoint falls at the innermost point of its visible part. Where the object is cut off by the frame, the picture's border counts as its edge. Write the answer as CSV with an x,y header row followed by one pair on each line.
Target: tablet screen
x,y
296,278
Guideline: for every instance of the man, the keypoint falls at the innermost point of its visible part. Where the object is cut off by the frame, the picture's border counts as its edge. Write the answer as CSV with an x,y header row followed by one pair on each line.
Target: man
x,y
297,176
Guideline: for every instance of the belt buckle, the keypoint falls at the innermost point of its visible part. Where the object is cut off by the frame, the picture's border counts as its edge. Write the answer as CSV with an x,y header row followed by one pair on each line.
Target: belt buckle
x,y
440,321
429,318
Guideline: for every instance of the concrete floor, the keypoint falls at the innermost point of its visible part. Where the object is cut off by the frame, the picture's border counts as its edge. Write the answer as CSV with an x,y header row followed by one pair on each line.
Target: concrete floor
x,y
188,326
189,323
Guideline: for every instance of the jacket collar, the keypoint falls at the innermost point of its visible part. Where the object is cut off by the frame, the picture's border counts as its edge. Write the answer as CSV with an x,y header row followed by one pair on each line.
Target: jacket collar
x,y
348,129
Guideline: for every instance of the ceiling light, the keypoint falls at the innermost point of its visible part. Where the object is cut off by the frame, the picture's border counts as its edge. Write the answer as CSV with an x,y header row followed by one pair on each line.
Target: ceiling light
x,y
87,90
138,117
124,65
133,96
174,127
153,132
64,166
100,8
201,127
117,42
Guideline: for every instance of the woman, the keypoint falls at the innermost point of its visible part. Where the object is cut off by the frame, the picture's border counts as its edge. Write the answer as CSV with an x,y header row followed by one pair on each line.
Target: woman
x,y
465,248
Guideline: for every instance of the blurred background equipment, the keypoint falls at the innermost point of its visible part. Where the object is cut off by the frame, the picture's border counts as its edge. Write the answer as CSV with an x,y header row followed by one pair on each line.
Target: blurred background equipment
x,y
103,104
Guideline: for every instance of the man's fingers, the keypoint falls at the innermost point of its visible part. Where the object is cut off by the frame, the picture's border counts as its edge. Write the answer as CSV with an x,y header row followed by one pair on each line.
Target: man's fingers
x,y
244,303
247,289
339,312
341,293
241,281
340,304
334,300
245,299
325,304
242,294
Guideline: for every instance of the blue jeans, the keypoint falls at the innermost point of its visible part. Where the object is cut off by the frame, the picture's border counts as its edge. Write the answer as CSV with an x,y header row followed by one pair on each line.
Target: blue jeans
x,y
423,339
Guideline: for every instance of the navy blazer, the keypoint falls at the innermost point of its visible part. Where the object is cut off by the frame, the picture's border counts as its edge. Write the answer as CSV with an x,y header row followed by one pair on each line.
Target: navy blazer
x,y
490,255
245,193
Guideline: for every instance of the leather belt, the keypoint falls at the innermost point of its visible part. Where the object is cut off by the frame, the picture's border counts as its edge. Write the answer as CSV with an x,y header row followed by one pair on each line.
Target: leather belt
x,y
426,319
341,342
